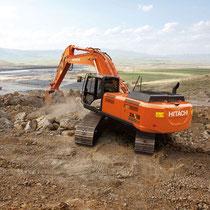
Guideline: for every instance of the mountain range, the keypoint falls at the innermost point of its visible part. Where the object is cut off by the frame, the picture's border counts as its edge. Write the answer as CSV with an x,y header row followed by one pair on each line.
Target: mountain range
x,y
15,57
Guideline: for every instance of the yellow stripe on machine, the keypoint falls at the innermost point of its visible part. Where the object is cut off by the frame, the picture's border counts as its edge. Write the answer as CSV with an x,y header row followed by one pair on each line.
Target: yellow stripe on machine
x,y
159,114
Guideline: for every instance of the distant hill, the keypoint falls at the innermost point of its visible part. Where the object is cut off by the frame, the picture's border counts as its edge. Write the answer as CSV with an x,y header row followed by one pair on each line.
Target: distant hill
x,y
30,57
5,63
127,59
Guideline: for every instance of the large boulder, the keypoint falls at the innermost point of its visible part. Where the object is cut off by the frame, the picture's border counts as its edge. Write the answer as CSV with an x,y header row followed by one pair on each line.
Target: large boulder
x,y
67,123
20,116
36,114
20,123
43,123
31,125
4,114
5,123
55,126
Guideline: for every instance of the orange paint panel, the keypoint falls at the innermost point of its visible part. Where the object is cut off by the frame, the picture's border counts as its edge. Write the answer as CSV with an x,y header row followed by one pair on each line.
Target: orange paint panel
x,y
157,117
112,105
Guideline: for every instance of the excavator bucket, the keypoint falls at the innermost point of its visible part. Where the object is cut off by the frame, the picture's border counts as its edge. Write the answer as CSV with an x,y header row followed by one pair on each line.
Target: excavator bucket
x,y
53,97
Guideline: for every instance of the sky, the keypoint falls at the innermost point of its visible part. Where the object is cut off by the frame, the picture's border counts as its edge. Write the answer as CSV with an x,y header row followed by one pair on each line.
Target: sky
x,y
145,26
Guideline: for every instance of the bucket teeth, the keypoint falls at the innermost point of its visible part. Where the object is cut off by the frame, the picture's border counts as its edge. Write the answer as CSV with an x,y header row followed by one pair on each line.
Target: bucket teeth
x,y
144,143
88,129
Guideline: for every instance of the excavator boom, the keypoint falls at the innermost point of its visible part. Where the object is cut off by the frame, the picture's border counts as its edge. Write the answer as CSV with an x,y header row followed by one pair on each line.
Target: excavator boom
x,y
86,56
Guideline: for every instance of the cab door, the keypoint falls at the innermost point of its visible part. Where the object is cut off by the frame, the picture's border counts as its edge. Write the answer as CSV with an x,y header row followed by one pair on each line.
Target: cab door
x,y
91,92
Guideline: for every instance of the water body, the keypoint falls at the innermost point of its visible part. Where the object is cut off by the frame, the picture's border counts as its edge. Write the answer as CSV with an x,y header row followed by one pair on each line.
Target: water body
x,y
33,79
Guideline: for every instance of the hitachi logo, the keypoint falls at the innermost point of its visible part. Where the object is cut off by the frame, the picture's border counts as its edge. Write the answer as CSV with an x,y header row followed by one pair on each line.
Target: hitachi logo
x,y
181,113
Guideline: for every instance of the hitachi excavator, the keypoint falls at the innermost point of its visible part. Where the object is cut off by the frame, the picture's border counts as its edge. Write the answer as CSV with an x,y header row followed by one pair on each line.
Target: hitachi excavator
x,y
149,113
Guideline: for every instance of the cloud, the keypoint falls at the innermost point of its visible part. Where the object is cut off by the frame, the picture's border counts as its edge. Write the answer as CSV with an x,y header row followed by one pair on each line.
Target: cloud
x,y
145,8
169,27
145,39
143,29
90,32
7,12
113,30
201,26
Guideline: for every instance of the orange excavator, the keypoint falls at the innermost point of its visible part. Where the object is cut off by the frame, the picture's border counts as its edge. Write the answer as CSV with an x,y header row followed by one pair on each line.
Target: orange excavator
x,y
149,113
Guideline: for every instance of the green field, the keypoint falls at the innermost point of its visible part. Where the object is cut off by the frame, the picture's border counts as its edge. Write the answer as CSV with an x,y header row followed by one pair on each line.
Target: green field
x,y
163,74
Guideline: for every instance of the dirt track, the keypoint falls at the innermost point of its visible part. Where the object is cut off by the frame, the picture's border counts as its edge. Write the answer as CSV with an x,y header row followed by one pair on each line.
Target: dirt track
x,y
45,170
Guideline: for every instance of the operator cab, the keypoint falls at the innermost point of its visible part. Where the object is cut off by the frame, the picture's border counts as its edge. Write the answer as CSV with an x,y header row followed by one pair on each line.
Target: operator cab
x,y
94,87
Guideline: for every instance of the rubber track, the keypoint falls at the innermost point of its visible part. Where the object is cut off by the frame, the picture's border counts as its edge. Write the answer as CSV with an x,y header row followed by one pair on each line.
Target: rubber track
x,y
144,143
88,129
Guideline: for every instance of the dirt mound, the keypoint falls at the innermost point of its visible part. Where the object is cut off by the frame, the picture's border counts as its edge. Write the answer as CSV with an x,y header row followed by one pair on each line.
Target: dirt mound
x,y
22,100
197,137
29,113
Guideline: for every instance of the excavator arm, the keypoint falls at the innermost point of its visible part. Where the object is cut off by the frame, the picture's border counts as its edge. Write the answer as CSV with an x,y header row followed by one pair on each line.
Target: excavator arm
x,y
86,56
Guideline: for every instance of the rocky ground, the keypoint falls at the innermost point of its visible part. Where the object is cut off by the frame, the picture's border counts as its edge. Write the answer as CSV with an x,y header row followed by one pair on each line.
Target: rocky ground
x,y
42,168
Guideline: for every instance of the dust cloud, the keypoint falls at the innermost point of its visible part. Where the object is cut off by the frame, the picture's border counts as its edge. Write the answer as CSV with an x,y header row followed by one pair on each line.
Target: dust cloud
x,y
70,106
